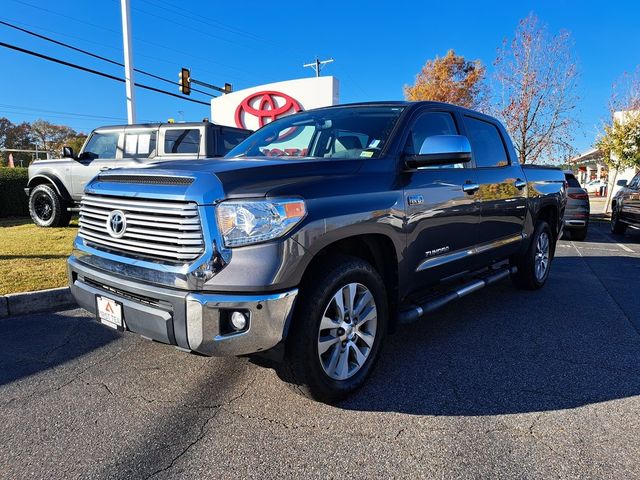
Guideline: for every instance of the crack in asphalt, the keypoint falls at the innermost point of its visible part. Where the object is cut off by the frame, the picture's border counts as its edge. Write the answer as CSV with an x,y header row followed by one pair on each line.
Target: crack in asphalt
x,y
203,428
74,377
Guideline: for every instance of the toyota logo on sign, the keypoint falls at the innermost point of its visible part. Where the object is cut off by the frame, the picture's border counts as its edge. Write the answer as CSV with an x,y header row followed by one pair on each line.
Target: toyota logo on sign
x,y
266,106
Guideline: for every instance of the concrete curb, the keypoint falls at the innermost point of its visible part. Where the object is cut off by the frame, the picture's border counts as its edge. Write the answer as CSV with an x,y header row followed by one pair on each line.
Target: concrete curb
x,y
33,302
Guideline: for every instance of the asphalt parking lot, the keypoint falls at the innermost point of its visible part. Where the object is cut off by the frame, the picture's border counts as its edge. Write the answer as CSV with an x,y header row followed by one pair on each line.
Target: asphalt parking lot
x,y
504,383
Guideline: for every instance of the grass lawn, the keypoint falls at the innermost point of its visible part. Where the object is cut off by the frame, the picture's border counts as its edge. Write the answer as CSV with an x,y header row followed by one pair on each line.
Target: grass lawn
x,y
33,258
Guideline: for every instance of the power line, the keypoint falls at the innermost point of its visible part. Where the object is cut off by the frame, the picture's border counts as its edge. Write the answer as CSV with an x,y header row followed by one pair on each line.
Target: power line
x,y
25,109
96,72
91,54
102,27
141,55
175,10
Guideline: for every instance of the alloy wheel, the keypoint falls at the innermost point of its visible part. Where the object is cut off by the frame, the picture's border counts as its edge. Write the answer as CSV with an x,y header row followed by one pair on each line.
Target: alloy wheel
x,y
542,256
43,206
347,331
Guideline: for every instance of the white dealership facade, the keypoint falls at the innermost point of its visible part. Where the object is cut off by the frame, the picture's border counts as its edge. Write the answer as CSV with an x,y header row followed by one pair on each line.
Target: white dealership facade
x,y
254,107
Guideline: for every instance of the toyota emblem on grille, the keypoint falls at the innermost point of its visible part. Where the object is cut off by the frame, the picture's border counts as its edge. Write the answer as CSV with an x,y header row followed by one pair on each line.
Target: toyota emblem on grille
x,y
116,223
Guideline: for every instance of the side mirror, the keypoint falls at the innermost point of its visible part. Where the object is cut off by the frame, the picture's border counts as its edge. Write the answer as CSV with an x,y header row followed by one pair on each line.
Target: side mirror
x,y
67,152
441,150
621,183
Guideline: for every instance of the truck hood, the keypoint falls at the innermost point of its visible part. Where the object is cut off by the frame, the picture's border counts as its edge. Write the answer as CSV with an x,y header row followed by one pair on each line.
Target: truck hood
x,y
217,179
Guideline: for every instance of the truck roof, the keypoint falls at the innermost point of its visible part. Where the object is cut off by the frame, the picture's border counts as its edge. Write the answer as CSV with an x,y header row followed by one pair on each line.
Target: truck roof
x,y
161,124
405,103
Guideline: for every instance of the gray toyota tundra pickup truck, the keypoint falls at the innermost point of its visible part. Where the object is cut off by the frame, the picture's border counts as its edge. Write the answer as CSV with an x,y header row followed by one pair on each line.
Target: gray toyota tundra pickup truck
x,y
316,237
55,185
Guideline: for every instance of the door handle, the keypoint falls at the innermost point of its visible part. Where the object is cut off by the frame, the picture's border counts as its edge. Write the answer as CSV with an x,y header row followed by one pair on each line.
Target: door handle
x,y
470,187
519,184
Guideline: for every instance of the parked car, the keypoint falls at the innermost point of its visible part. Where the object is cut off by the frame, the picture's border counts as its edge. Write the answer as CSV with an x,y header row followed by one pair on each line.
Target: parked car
x,y
625,207
316,236
620,184
594,186
56,185
576,214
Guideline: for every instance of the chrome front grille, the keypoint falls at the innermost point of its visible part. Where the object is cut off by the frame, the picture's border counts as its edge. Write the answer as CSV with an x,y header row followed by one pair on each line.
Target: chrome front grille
x,y
159,229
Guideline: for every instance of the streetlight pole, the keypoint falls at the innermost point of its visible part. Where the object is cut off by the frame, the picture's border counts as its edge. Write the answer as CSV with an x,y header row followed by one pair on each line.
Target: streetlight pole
x,y
128,61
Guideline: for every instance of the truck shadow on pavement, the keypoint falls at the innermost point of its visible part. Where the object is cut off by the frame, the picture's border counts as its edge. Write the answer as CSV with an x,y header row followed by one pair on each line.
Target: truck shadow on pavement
x,y
502,350
33,343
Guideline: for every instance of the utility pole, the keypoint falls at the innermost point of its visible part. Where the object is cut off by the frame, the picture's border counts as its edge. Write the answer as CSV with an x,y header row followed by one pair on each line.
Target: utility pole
x,y
317,65
128,61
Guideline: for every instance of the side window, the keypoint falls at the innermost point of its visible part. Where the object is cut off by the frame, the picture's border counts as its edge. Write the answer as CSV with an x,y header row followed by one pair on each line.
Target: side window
x,y
231,138
486,143
427,125
182,140
634,182
139,144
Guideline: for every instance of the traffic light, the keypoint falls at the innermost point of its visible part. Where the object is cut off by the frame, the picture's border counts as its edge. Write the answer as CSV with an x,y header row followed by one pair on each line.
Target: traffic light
x,y
185,81
228,88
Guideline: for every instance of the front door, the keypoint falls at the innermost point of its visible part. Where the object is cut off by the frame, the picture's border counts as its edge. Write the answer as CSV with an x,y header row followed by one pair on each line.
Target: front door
x,y
102,151
130,148
442,218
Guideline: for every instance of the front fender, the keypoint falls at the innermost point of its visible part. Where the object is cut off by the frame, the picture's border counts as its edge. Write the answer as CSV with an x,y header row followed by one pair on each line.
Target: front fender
x,y
57,184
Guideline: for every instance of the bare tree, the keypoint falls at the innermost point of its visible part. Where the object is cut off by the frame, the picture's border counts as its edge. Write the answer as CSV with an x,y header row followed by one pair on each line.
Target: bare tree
x,y
49,136
620,140
625,94
537,74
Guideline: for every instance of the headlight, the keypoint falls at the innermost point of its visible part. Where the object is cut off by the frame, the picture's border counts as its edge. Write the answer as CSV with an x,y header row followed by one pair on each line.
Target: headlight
x,y
245,222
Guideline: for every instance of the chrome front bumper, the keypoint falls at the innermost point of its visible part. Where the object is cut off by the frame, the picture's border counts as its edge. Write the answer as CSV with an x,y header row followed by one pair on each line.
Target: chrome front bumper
x,y
189,320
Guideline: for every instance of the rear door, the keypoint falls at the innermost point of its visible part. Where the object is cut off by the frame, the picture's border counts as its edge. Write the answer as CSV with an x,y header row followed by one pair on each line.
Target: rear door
x,y
442,219
503,188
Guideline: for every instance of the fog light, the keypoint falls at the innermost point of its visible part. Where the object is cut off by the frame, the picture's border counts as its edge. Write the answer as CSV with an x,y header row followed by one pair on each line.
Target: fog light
x,y
238,321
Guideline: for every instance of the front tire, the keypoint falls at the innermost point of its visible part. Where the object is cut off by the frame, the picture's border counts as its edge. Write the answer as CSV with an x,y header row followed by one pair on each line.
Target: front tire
x,y
338,328
46,207
534,265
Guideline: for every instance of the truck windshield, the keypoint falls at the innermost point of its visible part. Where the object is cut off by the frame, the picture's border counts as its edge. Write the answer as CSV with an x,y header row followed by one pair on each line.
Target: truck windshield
x,y
342,132
101,145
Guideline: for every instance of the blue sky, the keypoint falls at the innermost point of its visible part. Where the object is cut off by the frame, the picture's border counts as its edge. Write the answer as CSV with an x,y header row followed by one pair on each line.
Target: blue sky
x,y
378,47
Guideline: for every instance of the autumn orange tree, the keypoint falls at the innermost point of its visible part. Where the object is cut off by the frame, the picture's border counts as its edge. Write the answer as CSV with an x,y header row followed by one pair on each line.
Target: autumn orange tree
x,y
537,100
450,79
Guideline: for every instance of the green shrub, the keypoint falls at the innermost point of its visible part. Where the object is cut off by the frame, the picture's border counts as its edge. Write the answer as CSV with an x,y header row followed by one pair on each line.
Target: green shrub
x,y
13,201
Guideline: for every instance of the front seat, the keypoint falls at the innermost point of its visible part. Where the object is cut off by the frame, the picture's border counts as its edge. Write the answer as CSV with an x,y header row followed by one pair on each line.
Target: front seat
x,y
350,142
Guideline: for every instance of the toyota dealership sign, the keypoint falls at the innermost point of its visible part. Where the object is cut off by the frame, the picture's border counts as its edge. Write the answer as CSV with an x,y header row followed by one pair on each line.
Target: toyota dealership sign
x,y
254,107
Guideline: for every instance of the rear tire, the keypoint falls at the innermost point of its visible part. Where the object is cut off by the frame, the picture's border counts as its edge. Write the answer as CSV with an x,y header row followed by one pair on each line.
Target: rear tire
x,y
534,265
46,207
339,324
617,226
580,234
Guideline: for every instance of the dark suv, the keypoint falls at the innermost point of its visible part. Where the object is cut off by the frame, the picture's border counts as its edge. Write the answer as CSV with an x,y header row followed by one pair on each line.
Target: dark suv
x,y
625,207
